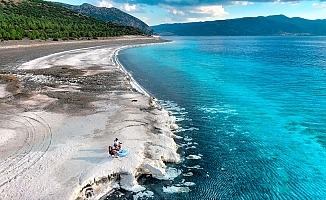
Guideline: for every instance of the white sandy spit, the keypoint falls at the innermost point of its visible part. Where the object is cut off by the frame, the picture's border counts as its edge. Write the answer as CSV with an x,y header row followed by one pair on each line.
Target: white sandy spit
x,y
25,43
47,155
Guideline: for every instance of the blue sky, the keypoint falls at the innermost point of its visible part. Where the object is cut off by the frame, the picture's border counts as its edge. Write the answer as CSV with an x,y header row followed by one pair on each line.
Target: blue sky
x,y
155,12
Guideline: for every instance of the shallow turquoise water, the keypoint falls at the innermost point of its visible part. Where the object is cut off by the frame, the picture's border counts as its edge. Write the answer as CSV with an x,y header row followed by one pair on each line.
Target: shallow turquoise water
x,y
253,109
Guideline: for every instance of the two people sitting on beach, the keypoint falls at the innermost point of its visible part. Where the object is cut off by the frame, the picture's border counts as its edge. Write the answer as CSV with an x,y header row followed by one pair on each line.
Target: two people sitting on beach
x,y
116,147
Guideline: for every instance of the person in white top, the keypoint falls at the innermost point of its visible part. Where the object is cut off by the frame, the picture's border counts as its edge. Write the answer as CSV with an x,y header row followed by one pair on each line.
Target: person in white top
x,y
117,144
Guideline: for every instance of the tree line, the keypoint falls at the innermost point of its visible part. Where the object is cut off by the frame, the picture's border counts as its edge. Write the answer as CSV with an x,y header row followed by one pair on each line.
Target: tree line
x,y
36,19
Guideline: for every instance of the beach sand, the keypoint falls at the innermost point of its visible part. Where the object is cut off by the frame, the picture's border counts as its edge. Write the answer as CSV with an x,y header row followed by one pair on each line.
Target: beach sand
x,y
59,112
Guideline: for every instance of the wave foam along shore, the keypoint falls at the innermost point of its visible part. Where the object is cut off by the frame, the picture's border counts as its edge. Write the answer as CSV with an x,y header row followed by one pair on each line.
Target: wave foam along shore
x,y
62,112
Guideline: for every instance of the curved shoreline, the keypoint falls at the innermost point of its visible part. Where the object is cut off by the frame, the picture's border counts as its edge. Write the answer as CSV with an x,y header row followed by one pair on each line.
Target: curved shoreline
x,y
81,127
134,83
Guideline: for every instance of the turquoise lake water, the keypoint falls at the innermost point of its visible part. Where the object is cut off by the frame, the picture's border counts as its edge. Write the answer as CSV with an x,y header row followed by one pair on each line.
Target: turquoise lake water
x,y
252,110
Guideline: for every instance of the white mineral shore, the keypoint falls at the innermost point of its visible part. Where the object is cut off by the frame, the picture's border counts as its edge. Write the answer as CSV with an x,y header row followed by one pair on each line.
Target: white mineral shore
x,y
53,155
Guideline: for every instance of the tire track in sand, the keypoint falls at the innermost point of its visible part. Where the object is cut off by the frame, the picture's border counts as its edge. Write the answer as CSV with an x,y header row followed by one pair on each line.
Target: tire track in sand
x,y
37,137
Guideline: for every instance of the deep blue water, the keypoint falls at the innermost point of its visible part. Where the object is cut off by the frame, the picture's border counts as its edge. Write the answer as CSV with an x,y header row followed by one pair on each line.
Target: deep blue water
x,y
252,108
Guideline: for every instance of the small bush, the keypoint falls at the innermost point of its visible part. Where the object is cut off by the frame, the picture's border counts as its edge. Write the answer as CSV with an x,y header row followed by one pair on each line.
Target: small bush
x,y
9,77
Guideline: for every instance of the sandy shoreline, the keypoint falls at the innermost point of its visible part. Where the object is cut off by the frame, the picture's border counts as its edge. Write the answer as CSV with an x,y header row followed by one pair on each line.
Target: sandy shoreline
x,y
59,113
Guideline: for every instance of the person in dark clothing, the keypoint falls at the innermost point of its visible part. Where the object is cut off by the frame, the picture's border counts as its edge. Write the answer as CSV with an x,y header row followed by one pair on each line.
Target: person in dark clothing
x,y
113,151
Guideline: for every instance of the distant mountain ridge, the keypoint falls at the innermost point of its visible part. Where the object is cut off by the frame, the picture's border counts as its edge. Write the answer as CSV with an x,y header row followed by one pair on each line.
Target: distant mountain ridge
x,y
110,15
249,26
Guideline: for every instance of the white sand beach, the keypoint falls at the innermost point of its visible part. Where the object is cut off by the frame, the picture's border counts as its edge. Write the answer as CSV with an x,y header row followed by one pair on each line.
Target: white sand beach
x,y
60,112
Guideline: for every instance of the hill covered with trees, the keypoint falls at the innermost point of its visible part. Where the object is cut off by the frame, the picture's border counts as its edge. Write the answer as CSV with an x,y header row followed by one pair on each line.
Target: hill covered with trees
x,y
110,15
248,26
37,19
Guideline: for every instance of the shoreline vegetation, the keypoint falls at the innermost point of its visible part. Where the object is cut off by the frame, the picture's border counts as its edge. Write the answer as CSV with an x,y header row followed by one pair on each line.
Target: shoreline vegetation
x,y
62,109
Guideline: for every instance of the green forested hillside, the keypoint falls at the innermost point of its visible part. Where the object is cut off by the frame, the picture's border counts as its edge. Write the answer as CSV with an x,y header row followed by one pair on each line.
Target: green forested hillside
x,y
43,20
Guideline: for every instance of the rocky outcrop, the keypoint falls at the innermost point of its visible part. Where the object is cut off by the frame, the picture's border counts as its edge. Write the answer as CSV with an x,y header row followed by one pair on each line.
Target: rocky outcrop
x,y
111,15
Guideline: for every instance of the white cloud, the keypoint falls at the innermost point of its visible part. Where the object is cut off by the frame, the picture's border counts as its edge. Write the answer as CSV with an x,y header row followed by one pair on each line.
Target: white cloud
x,y
166,20
192,20
145,19
209,10
293,3
132,8
321,5
194,13
128,7
196,19
104,3
176,12
241,3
